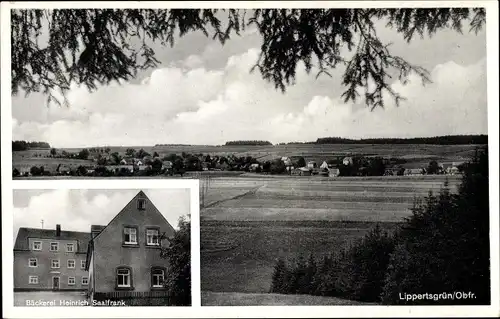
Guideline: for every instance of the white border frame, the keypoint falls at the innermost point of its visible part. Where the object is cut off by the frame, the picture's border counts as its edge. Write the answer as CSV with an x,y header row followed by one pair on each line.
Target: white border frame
x,y
272,311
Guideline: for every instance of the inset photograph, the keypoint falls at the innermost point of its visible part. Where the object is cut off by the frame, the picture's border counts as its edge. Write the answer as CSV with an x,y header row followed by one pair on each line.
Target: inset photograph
x,y
91,247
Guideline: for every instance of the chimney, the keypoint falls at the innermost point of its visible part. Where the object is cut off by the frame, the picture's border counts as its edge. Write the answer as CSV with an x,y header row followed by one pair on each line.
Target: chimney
x,y
58,230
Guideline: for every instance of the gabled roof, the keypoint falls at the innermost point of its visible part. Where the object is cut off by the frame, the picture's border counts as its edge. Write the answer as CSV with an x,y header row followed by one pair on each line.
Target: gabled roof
x,y
22,240
151,206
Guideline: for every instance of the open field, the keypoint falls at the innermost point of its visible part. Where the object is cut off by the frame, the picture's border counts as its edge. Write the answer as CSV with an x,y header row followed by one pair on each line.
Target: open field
x,y
417,155
24,160
248,222
240,256
255,299
257,198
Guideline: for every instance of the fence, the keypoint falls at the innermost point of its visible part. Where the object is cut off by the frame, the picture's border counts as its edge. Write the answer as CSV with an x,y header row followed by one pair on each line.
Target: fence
x,y
133,298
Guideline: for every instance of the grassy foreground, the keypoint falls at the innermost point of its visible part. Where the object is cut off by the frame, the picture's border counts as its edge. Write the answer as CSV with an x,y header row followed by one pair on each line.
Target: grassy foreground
x,y
256,299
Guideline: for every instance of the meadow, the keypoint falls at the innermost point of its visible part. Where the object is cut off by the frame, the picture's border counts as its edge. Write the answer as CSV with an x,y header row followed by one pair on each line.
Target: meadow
x,y
247,223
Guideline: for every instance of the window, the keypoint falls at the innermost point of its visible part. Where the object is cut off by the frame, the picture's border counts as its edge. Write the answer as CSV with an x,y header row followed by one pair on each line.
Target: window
x,y
141,204
71,263
70,248
82,264
33,262
152,237
55,263
37,245
130,235
157,277
71,281
33,280
85,280
123,277
54,246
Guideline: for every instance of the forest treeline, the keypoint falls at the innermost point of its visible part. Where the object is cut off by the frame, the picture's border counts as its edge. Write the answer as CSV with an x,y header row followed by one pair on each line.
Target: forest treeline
x,y
441,252
249,142
26,145
437,140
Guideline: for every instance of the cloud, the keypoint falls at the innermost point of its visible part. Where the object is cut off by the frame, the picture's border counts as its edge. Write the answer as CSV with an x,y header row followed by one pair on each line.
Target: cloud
x,y
193,61
76,210
195,105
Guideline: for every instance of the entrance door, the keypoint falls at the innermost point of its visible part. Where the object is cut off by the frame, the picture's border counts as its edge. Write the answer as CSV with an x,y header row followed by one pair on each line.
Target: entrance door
x,y
55,283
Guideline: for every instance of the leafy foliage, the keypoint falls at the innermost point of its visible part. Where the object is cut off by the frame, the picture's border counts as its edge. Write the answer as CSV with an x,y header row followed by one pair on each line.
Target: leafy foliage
x,y
356,272
178,279
26,145
444,246
93,46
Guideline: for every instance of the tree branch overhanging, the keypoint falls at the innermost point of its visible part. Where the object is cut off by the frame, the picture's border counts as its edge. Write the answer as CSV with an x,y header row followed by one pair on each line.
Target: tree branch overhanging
x,y
92,46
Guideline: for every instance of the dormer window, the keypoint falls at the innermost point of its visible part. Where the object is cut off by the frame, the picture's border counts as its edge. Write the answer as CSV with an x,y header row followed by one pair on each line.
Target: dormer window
x,y
141,204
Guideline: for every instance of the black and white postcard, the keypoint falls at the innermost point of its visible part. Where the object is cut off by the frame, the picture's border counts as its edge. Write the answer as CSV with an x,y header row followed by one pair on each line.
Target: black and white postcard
x,y
340,154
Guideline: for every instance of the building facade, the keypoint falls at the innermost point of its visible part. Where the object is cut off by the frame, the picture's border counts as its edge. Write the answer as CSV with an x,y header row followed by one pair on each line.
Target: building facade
x,y
48,259
124,256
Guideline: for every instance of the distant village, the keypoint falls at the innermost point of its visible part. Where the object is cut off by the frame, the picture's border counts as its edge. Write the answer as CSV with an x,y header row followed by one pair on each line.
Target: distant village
x,y
102,162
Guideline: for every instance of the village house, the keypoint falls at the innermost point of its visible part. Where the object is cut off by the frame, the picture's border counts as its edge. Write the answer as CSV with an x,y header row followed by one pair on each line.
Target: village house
x,y
254,167
347,161
63,169
450,168
301,171
120,168
413,171
50,259
324,165
333,172
205,166
123,257
311,165
168,166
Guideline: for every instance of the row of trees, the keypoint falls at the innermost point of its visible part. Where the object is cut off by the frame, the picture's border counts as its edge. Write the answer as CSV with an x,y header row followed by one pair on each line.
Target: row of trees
x,y
442,247
26,145
435,140
249,142
361,166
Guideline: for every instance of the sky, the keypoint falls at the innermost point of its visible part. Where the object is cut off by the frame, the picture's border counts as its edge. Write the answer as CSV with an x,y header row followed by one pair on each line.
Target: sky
x,y
203,93
77,209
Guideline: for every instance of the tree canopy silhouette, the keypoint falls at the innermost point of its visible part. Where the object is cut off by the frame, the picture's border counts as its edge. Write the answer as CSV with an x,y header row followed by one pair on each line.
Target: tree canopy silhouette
x,y
92,46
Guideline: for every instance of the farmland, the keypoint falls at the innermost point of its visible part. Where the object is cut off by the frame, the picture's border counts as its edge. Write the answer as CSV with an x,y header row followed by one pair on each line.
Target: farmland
x,y
249,222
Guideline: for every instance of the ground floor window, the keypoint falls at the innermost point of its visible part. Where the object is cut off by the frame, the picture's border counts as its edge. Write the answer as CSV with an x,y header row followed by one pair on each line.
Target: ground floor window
x,y
123,277
33,280
85,280
157,277
71,280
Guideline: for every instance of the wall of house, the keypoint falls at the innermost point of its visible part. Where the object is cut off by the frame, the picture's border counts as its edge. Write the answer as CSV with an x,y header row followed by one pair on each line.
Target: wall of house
x,y
22,271
110,253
